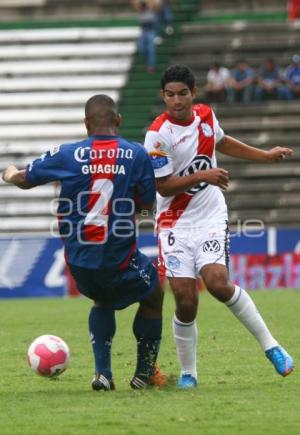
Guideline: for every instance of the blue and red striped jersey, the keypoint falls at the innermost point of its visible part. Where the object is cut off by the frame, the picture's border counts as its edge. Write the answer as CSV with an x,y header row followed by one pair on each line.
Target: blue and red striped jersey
x,y
103,179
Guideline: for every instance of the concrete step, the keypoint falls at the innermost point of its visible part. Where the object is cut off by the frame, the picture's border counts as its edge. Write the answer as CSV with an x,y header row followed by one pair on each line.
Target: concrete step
x,y
54,98
220,7
48,83
238,27
237,44
43,130
45,192
277,217
263,201
74,34
65,50
62,67
26,224
264,171
26,208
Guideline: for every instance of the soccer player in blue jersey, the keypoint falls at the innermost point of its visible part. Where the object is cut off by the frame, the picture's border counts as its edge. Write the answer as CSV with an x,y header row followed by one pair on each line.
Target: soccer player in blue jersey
x,y
104,178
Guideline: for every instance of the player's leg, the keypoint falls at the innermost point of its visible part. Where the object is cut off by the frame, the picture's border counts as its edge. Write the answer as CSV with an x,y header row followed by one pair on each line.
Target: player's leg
x,y
102,327
185,328
101,323
242,306
147,329
177,257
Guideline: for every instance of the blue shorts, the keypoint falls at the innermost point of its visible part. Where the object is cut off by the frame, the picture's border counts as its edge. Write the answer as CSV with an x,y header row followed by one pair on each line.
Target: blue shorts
x,y
118,289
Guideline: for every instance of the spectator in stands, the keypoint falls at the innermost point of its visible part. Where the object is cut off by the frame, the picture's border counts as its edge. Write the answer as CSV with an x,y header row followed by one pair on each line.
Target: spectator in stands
x,y
147,16
293,77
99,246
165,19
218,79
293,9
269,83
241,83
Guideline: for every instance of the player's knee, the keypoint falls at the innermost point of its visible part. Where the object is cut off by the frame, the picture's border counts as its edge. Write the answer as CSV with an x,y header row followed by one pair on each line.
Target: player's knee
x,y
220,289
217,283
154,302
186,307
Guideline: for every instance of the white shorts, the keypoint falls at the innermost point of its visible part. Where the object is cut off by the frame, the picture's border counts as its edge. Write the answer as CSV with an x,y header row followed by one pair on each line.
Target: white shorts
x,y
183,253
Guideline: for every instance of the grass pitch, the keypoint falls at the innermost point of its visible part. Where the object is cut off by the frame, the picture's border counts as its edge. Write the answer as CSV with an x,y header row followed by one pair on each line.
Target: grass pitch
x,y
239,391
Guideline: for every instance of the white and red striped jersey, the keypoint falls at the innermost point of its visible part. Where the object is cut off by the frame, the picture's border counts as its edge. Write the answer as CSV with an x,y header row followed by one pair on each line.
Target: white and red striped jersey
x,y
182,148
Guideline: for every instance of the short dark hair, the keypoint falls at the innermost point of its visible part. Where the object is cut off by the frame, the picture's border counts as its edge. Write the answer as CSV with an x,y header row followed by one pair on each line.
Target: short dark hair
x,y
101,110
99,102
178,73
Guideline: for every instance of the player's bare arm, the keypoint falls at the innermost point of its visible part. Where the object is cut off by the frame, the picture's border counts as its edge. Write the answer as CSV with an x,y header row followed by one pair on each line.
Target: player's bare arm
x,y
12,175
172,184
233,147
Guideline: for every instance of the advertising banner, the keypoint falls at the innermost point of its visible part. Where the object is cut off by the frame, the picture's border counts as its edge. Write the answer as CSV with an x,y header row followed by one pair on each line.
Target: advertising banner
x,y
35,266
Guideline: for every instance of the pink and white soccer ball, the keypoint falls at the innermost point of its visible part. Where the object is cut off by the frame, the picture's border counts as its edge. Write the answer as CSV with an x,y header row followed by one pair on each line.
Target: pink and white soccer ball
x,y
48,355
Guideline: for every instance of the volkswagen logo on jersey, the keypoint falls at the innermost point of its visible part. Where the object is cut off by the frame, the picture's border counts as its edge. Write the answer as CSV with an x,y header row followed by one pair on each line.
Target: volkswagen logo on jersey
x,y
199,163
211,246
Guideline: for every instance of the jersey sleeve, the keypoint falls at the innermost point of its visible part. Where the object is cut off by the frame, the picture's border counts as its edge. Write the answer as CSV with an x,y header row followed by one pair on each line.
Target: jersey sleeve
x,y
219,132
145,192
48,167
159,153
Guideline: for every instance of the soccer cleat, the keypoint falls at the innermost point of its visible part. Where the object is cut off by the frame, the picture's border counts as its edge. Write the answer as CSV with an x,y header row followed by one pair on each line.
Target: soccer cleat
x,y
187,381
281,360
100,382
140,380
158,379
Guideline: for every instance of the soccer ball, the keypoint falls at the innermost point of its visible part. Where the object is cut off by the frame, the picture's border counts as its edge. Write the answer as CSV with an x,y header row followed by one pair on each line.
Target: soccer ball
x,y
48,355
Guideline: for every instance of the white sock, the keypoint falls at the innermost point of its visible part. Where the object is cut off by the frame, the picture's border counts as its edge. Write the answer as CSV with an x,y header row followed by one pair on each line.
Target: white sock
x,y
185,336
245,310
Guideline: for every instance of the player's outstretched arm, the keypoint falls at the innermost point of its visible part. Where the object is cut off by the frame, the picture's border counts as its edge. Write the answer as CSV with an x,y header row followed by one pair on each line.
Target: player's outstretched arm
x,y
12,175
235,148
172,185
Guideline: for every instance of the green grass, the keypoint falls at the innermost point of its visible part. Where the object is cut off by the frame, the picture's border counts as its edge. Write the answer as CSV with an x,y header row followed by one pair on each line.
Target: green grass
x,y
239,391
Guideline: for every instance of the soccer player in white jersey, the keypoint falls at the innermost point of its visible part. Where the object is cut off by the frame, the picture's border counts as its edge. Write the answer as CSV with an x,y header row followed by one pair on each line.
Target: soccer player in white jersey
x,y
192,216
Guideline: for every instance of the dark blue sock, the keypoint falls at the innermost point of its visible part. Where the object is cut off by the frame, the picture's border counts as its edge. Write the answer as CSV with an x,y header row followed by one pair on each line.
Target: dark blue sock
x,y
102,326
148,335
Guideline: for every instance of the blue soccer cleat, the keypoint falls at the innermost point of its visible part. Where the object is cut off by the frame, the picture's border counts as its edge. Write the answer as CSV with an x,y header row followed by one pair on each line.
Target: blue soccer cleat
x,y
281,360
187,381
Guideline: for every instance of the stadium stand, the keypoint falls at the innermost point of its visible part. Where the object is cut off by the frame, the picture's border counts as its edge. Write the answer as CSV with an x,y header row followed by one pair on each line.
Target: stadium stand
x,y
47,74
45,78
221,7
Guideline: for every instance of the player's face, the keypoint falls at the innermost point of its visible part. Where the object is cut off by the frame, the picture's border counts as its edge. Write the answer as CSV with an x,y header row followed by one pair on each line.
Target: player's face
x,y
179,100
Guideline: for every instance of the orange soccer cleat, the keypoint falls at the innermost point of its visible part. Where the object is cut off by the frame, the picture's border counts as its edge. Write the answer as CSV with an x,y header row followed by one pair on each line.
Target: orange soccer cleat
x,y
140,380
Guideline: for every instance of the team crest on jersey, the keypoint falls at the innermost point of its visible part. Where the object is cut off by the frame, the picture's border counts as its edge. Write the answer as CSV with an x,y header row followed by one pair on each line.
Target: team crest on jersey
x,y
158,159
207,130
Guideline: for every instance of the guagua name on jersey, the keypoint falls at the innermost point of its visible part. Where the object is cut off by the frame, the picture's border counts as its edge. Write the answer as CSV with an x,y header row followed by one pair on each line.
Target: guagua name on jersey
x,y
103,169
86,154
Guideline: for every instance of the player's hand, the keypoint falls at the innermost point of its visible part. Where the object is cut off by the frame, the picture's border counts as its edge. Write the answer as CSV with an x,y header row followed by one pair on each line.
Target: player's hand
x,y
278,153
217,177
8,172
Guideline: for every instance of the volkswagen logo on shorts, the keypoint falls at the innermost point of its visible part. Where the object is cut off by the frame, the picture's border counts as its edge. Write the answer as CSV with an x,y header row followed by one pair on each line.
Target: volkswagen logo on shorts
x,y
211,246
173,262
